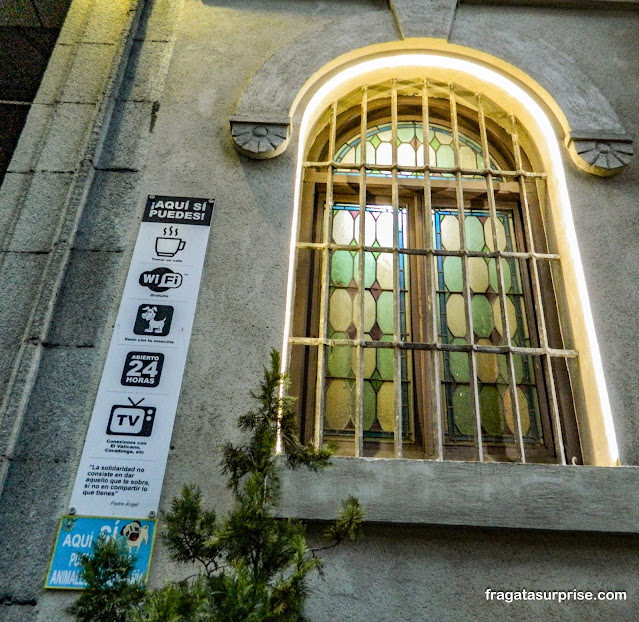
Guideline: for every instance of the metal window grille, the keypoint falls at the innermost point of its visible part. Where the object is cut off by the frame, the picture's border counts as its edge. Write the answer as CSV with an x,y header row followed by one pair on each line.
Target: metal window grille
x,y
426,105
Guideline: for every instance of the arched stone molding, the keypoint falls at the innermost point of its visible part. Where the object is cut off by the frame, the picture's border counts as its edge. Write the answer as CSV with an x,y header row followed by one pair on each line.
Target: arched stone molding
x,y
593,132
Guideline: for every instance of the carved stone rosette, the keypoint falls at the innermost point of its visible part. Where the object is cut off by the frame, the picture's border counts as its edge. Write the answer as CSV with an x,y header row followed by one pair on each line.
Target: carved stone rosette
x,y
601,153
260,138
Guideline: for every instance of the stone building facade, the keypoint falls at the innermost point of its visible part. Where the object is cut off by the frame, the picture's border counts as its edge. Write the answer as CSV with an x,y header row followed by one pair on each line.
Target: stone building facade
x,y
256,104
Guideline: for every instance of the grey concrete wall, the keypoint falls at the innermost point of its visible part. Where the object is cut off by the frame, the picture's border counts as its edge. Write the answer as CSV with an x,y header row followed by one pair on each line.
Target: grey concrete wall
x,y
168,133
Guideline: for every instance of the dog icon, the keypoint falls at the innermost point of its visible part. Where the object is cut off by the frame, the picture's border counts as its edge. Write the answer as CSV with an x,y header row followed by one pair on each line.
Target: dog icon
x,y
136,534
155,326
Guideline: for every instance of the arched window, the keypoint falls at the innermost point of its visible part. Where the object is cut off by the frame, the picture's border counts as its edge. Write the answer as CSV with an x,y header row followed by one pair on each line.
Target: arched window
x,y
427,314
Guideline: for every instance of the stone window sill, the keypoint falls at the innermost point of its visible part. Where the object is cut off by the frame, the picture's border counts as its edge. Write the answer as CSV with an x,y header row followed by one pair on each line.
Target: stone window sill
x,y
528,496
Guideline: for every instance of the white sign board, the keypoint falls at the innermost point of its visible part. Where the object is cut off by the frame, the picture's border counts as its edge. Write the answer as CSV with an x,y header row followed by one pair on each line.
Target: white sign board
x,y
127,445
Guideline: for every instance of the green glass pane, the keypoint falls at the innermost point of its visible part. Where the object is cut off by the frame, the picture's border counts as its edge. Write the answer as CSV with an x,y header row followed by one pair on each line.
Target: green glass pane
x,y
491,409
505,270
385,363
462,411
406,134
385,312
370,405
339,362
518,364
474,233
453,274
434,143
445,157
341,268
369,269
375,140
482,316
339,404
386,406
458,362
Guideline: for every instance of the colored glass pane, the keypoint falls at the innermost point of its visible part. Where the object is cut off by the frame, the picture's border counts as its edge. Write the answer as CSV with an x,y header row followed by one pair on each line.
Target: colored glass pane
x,y
342,268
453,274
341,310
340,361
385,312
410,150
474,233
339,406
456,315
463,414
482,316
492,410
386,406
370,405
477,274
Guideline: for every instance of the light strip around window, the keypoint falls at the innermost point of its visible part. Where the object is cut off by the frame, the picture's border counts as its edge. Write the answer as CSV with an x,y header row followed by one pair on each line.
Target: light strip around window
x,y
538,123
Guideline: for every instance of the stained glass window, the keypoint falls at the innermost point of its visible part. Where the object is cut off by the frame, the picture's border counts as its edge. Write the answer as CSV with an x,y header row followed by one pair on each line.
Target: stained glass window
x,y
410,149
425,321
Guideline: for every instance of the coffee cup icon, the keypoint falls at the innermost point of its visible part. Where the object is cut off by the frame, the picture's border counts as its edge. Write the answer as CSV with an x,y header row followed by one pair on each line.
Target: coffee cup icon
x,y
168,247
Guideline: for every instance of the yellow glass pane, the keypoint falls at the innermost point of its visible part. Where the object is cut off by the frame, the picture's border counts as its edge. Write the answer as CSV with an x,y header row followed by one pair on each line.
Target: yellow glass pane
x,y
370,311
501,235
467,157
338,408
340,313
386,406
524,411
450,233
456,315
477,274
385,270
444,139
512,316
487,364
370,360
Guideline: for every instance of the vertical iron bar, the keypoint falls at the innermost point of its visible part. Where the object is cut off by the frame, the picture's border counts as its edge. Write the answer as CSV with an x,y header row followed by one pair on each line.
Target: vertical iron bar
x,y
505,320
470,336
320,399
541,319
359,358
434,388
396,280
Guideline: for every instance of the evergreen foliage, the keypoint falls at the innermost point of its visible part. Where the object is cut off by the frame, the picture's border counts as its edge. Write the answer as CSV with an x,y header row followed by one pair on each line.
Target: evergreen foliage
x,y
253,567
110,595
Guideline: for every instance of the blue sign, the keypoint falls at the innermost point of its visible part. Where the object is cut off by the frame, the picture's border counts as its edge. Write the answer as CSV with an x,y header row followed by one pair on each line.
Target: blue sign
x,y
77,535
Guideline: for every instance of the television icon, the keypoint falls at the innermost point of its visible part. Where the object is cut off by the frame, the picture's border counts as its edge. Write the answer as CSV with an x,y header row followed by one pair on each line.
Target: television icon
x,y
131,419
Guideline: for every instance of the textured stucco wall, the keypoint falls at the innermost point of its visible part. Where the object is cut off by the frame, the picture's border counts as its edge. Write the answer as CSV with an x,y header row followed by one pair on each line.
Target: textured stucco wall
x,y
168,133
